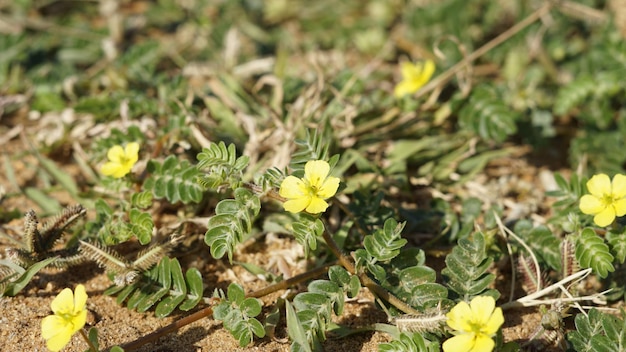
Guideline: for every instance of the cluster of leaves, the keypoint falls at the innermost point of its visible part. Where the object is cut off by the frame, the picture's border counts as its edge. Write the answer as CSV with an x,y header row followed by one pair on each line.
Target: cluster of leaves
x,y
238,314
598,331
164,286
467,268
311,314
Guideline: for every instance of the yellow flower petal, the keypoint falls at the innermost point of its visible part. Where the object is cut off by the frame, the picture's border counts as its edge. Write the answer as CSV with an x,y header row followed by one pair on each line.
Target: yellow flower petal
x,y
459,343
51,325
80,297
409,70
297,205
113,169
329,187
591,205
115,154
458,317
482,307
483,343
620,207
63,302
429,69
316,206
618,186
132,152
57,342
605,217
316,171
403,88
494,323
414,77
599,185
292,187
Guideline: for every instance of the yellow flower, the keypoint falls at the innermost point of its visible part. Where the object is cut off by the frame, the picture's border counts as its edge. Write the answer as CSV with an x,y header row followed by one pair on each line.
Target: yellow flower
x,y
414,76
607,200
69,317
475,324
310,192
121,160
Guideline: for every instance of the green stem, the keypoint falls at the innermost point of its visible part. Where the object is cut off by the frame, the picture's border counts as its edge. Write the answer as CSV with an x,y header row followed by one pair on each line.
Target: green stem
x,y
86,337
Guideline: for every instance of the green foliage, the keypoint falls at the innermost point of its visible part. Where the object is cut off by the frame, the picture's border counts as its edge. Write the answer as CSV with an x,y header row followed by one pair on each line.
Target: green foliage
x,y
487,115
232,222
112,227
220,166
142,200
306,231
574,94
542,242
568,195
368,209
591,91
314,309
385,244
382,246
314,147
408,342
238,314
14,278
401,271
617,243
466,268
592,252
164,286
141,225
598,331
174,180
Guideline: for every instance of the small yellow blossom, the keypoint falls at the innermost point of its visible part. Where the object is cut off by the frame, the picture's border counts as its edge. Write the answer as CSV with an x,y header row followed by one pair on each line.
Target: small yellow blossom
x,y
475,324
69,316
310,192
121,160
607,199
414,76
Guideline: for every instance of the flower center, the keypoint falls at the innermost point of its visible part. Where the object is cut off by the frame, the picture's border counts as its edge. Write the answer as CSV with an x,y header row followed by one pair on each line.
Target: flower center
x,y
607,200
476,326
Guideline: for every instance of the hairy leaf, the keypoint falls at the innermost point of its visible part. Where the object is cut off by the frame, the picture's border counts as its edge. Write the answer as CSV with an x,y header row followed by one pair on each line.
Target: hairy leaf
x,y
592,252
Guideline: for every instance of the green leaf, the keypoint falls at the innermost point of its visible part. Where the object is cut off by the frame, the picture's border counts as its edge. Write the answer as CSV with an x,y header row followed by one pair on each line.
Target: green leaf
x,y
573,94
295,330
174,180
231,223
177,294
467,265
251,307
487,115
586,328
93,338
385,244
141,225
307,230
16,286
141,200
592,252
617,242
546,245
220,166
